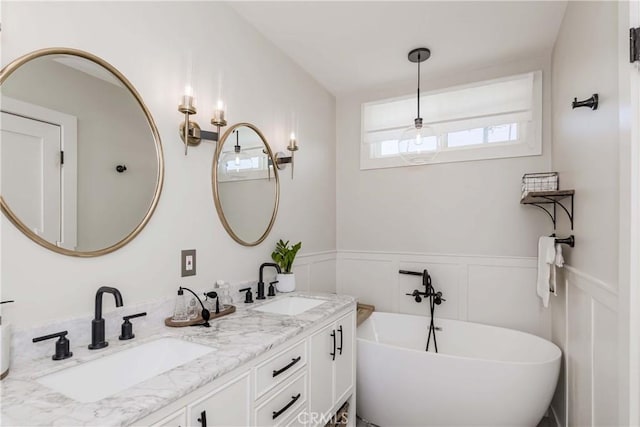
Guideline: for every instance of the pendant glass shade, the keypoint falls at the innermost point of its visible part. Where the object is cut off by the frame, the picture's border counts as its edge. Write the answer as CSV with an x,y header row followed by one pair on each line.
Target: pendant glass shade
x,y
234,164
418,145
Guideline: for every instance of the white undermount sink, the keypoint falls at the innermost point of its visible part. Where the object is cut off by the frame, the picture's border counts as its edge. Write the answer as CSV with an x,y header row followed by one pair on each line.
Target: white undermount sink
x,y
106,376
290,306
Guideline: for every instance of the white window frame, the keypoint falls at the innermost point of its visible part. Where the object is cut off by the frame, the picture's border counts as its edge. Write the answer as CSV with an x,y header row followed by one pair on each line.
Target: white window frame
x,y
529,141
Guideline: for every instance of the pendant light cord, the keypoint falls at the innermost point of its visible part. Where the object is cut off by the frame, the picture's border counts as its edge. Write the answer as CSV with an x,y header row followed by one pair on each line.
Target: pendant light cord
x,y
418,99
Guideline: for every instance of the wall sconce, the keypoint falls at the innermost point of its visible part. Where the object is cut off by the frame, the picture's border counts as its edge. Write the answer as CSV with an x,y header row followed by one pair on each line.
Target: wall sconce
x,y
282,160
189,131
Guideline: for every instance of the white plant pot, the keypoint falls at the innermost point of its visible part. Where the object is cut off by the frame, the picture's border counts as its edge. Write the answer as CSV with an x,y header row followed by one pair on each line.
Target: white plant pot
x,y
286,282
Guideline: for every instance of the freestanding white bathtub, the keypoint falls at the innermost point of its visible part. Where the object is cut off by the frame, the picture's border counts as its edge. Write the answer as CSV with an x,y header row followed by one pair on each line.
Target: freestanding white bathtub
x,y
482,375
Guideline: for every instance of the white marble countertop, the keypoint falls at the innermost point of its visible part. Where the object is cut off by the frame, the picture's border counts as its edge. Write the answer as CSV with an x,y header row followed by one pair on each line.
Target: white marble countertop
x,y
237,339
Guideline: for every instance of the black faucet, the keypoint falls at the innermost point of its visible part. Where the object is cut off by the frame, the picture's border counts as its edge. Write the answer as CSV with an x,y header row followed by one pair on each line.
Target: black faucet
x,y
435,298
430,292
260,282
97,324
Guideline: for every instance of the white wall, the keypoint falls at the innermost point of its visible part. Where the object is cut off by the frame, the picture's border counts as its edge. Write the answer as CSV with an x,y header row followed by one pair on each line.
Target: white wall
x,y
149,43
454,208
586,153
452,219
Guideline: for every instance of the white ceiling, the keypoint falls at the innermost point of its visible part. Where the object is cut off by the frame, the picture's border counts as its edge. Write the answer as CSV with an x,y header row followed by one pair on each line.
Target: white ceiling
x,y
349,46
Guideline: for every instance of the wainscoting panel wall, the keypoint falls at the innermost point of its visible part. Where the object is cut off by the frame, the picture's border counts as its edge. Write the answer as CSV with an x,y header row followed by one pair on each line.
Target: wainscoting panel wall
x,y
316,272
585,327
498,291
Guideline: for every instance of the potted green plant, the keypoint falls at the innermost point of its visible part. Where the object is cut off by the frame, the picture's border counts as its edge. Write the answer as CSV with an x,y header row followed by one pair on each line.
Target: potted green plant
x,y
284,255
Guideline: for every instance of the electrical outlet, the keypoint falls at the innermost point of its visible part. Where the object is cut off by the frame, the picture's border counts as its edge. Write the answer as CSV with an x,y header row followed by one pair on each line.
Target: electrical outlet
x,y
188,258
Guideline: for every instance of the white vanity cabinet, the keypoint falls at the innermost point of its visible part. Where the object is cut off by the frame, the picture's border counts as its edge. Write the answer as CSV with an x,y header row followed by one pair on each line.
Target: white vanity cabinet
x,y
177,419
331,366
227,406
299,383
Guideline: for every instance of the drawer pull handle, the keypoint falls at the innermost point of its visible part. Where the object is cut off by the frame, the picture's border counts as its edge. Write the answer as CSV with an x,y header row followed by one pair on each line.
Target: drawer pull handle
x,y
294,399
340,348
293,362
203,418
333,353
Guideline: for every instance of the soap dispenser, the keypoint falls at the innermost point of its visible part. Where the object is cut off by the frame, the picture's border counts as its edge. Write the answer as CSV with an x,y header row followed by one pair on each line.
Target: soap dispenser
x,y
5,340
180,313
223,293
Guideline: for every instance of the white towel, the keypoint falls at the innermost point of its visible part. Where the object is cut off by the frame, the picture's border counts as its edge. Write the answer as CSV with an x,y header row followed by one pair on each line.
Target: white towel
x,y
557,262
546,259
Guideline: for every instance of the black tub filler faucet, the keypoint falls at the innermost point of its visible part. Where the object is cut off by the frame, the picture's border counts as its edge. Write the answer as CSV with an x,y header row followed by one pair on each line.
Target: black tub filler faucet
x,y
435,298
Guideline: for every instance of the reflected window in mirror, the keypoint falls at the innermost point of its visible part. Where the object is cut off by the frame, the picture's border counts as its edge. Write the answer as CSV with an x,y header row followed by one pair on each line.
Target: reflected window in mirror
x,y
244,161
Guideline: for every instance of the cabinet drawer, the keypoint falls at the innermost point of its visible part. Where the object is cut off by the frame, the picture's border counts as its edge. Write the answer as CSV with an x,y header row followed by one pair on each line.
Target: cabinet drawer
x,y
178,419
280,367
299,419
284,402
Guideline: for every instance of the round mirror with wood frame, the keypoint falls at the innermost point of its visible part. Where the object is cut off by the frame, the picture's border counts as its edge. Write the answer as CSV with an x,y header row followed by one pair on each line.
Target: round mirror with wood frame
x,y
92,186
246,186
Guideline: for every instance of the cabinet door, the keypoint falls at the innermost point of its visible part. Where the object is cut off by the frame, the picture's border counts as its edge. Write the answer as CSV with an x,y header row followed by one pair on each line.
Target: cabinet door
x,y
226,406
321,371
177,419
344,372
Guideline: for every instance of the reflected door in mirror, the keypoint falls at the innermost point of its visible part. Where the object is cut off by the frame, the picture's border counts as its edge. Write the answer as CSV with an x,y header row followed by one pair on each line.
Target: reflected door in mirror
x,y
31,174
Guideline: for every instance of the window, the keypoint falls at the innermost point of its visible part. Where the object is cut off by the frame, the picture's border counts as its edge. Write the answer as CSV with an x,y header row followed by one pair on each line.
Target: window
x,y
484,120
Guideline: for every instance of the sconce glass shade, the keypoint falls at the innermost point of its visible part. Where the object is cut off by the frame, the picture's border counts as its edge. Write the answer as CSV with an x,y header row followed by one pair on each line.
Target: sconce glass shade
x,y
418,145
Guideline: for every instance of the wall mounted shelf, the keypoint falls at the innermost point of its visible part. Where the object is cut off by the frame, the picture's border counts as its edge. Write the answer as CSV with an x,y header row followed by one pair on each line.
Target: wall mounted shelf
x,y
542,200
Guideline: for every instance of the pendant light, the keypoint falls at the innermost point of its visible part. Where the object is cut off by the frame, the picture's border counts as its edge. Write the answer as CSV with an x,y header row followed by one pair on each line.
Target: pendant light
x,y
232,161
418,144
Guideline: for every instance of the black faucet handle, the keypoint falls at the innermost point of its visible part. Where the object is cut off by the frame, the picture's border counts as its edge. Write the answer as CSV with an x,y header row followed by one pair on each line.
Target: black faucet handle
x,y
62,345
248,297
133,316
272,289
127,327
416,294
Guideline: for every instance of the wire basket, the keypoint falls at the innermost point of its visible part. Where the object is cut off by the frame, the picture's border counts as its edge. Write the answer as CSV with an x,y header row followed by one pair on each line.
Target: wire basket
x,y
542,181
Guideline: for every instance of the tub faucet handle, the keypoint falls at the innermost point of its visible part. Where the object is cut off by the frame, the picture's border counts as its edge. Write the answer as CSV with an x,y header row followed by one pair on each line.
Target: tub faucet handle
x,y
416,295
